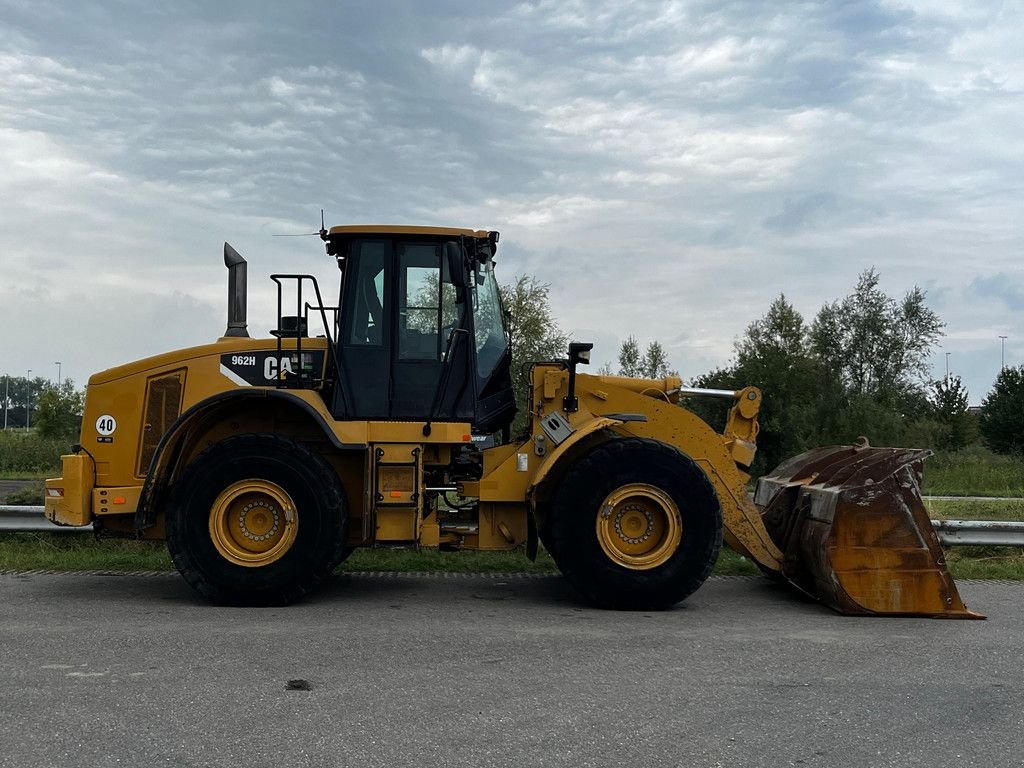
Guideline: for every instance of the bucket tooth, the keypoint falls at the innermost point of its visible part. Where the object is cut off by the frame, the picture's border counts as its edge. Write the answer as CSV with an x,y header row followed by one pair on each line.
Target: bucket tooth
x,y
855,533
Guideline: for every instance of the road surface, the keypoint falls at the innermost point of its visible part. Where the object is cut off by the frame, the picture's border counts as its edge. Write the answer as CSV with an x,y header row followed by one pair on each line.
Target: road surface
x,y
497,671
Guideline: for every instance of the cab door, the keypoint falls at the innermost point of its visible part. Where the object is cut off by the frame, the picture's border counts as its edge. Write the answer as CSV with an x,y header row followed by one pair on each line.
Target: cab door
x,y
429,314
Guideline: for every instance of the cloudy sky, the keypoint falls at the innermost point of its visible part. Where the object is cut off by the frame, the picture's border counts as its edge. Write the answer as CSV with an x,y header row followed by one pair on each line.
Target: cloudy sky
x,y
668,167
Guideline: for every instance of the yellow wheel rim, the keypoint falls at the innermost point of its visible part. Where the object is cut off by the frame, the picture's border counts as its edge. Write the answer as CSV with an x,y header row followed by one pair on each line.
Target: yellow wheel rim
x,y
253,523
639,526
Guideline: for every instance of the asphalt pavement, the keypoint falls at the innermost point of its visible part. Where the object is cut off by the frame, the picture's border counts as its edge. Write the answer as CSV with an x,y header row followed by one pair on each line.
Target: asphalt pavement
x,y
497,671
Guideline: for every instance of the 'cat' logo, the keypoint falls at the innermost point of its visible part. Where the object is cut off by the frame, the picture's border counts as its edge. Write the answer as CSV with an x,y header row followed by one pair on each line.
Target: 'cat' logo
x,y
273,370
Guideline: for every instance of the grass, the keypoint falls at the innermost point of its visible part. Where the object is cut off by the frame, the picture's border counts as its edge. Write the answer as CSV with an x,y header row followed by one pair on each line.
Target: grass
x,y
731,564
19,474
31,495
1004,563
79,552
974,471
27,454
975,509
83,552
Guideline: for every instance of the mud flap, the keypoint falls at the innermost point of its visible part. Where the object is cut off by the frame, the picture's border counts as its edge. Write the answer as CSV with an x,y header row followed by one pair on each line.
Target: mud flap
x,y
855,533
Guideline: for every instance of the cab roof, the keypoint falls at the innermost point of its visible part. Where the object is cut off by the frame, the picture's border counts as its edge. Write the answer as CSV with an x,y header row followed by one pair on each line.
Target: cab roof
x,y
399,229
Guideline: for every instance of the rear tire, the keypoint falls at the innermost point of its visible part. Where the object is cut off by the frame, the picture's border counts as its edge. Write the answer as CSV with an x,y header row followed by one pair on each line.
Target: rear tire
x,y
636,525
257,520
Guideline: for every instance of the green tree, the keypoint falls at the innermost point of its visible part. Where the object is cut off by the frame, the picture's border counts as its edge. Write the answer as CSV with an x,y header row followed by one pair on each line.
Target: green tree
x,y
59,411
1002,413
713,410
651,364
534,332
873,353
630,363
775,356
859,369
949,397
874,345
20,392
655,363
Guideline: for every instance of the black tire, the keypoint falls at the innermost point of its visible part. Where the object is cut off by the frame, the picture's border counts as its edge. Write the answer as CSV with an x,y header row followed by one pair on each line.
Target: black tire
x,y
343,555
544,532
585,562
318,541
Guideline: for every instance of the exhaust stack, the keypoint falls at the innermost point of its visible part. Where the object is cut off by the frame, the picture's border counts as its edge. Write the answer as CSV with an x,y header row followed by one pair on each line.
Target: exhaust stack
x,y
237,279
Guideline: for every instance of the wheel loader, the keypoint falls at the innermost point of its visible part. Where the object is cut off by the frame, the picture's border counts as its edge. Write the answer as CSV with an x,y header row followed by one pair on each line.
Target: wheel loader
x,y
264,462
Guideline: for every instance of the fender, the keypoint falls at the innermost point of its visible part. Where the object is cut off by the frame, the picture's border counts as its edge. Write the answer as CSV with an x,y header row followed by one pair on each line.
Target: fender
x,y
167,450
582,432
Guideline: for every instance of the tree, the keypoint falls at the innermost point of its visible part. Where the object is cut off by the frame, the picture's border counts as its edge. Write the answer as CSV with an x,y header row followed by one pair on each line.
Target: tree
x,y
629,358
775,355
875,345
534,332
949,402
20,392
652,364
59,411
655,363
1002,413
873,354
859,369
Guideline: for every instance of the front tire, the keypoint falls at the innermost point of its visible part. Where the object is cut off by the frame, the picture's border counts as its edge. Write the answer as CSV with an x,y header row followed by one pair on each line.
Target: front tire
x,y
257,520
636,525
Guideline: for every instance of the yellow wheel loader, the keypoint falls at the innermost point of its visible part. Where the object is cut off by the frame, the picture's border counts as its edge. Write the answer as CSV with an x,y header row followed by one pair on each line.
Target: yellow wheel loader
x,y
264,462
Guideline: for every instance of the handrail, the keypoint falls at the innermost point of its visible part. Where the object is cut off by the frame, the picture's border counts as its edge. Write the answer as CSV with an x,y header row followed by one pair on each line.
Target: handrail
x,y
302,316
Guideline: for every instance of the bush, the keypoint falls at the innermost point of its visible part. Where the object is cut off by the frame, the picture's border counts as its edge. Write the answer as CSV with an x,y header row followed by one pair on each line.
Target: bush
x,y
30,453
925,433
59,412
29,496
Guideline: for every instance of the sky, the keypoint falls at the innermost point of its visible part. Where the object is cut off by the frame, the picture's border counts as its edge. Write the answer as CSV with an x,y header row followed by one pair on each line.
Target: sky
x,y
669,168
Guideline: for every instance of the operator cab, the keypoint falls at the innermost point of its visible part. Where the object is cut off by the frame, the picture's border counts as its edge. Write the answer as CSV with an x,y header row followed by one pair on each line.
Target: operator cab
x,y
421,331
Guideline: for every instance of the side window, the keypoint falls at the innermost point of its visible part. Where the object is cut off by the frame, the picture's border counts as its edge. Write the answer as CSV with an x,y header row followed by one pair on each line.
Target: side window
x,y
491,342
366,326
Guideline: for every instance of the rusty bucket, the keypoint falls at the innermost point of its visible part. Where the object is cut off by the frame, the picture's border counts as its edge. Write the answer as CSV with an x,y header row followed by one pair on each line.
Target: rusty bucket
x,y
855,533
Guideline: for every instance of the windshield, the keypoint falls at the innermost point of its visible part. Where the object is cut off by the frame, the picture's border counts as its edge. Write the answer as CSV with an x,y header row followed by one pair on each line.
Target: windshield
x,y
489,324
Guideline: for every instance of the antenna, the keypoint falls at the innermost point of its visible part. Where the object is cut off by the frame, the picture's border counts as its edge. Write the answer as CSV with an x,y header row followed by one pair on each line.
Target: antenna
x,y
322,232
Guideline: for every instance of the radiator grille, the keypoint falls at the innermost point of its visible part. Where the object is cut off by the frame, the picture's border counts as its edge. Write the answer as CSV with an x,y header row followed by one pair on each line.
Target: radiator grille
x,y
163,404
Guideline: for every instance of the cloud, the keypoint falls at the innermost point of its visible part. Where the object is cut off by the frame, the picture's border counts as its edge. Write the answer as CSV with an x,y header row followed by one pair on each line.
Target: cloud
x,y
801,212
1008,289
669,167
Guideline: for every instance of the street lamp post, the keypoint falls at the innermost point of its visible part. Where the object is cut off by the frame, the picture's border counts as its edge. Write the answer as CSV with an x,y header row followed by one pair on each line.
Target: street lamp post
x,y
947,365
1002,353
58,374
28,400
7,397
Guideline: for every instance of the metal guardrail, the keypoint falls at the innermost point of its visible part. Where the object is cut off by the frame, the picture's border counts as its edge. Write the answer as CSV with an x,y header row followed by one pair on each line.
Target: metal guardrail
x,y
952,533
984,533
17,519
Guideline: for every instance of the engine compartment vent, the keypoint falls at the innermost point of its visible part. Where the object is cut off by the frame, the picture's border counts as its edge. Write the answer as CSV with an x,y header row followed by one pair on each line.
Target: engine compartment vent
x,y
163,405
